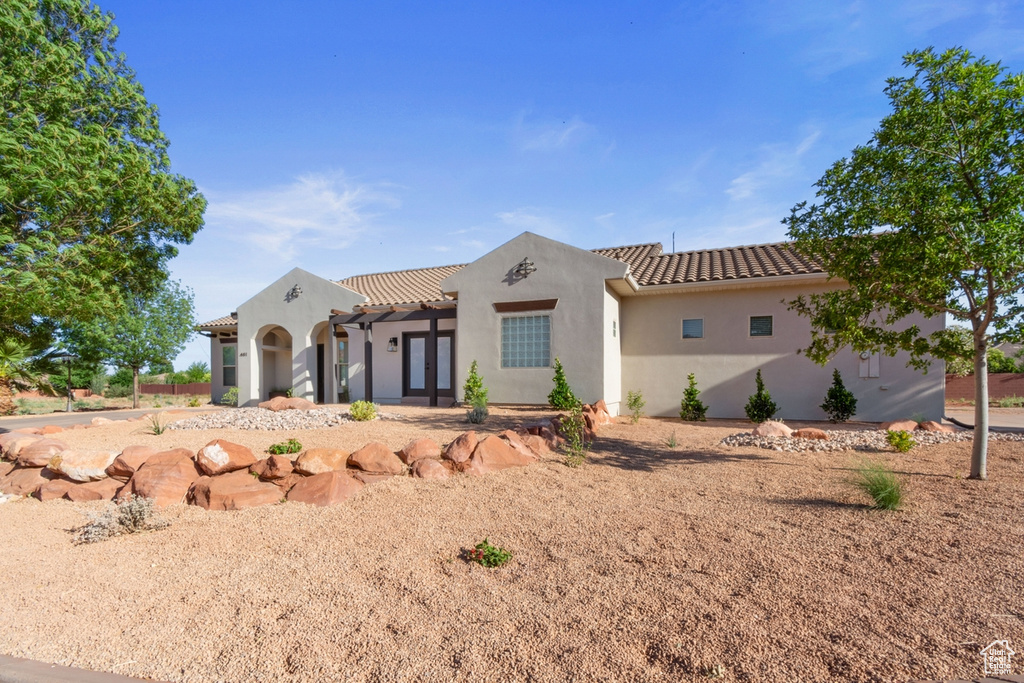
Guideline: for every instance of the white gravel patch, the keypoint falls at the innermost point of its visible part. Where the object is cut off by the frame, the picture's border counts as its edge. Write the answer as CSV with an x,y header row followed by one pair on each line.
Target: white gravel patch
x,y
268,420
846,440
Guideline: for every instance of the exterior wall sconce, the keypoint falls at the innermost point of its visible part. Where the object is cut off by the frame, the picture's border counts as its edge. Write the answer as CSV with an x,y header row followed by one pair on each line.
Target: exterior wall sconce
x,y
293,293
524,268
393,344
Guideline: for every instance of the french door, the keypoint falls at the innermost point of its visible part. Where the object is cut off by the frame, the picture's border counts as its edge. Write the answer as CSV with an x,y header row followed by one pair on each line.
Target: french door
x,y
420,374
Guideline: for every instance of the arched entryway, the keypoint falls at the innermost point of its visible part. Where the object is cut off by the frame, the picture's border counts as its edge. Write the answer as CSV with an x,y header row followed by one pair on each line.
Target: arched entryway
x,y
274,349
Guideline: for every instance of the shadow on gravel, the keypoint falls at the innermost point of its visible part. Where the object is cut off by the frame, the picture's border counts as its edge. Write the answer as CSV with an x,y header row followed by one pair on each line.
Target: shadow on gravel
x,y
630,455
818,503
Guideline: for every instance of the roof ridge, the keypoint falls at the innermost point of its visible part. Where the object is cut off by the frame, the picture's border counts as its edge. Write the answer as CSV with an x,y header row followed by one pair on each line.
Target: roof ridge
x,y
395,272
630,246
737,246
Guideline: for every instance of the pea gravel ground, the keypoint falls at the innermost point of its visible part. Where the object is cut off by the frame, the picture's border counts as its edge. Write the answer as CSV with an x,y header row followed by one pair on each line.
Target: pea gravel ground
x,y
650,563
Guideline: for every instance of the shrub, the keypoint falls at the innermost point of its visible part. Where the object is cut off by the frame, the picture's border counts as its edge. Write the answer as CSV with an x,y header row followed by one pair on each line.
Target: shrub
x,y
692,408
671,441
289,446
760,406
840,404
117,391
900,441
98,383
879,482
489,555
635,402
122,377
561,397
129,516
193,402
473,390
362,411
1010,402
230,397
574,429
156,425
478,413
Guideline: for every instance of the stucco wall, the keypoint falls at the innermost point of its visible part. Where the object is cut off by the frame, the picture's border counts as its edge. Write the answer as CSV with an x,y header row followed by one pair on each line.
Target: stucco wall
x,y
656,360
387,366
573,276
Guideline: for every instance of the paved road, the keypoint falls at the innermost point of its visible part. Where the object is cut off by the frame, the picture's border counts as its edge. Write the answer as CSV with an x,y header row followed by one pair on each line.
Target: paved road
x,y
1000,419
85,417
17,670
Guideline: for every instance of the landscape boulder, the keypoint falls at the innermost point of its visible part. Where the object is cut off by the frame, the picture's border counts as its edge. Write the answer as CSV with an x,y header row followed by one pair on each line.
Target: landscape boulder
x,y
329,488
279,403
51,429
537,444
810,433
130,459
427,468
12,443
40,452
82,465
285,483
104,489
99,421
898,426
274,467
220,456
54,489
932,426
320,460
5,468
376,458
233,491
24,481
604,416
165,477
515,440
772,428
370,477
461,449
493,454
418,449
34,431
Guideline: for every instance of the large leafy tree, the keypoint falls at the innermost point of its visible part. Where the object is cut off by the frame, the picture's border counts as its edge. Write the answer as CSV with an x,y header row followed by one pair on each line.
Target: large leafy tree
x,y
89,209
151,329
19,370
925,218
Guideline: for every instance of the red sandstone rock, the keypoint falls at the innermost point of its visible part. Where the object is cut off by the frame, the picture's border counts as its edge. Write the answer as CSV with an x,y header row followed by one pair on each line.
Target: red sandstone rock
x,y
82,465
52,429
369,477
285,483
54,489
898,426
104,489
220,456
329,488
772,428
233,491
537,444
418,449
281,403
165,477
604,416
461,450
494,454
428,468
377,458
24,481
320,460
274,467
5,468
40,452
97,421
932,426
130,459
515,440
12,443
34,431
810,433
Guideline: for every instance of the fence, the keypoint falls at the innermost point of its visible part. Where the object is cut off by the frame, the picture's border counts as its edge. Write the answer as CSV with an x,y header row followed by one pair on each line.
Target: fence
x,y
1000,385
194,389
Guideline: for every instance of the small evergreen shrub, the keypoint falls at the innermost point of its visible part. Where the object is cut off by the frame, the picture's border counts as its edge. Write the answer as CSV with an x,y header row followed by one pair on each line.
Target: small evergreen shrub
x,y
474,390
900,441
635,402
129,516
489,555
285,447
879,482
574,429
193,402
117,391
760,407
840,403
692,408
230,397
478,412
362,411
561,397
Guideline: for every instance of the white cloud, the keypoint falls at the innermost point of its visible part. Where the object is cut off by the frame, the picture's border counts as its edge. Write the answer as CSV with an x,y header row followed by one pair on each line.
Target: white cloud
x,y
605,220
777,163
326,211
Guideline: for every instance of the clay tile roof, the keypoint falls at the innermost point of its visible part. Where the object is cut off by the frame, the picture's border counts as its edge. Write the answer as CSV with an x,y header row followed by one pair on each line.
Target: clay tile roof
x,y
421,285
224,321
732,263
635,255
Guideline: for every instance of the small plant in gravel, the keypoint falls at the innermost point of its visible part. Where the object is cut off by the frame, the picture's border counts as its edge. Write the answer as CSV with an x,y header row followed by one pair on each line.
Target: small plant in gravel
x,y
561,397
193,402
130,516
635,402
230,397
155,424
362,411
840,403
285,447
489,555
671,441
473,390
574,429
900,440
760,407
692,408
478,413
879,482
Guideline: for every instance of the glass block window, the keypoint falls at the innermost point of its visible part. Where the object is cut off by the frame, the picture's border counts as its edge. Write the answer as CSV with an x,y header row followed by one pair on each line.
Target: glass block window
x,y
761,326
228,356
693,328
526,342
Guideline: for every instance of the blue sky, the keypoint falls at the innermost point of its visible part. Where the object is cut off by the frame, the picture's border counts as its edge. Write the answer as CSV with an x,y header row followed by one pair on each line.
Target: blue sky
x,y
350,138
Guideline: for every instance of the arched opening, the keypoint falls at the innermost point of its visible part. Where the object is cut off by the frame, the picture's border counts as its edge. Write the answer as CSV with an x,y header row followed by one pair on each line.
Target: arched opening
x,y
275,354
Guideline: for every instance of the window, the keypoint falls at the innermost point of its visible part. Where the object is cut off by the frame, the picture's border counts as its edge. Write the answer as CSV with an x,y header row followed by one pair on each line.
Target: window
x,y
341,369
693,328
615,331
228,357
761,326
526,342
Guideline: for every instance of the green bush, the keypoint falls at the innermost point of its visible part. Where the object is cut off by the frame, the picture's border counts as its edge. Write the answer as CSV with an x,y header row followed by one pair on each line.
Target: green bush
x,y
98,383
230,397
285,447
692,408
879,482
760,407
197,372
635,402
561,397
840,403
122,377
473,390
478,412
489,555
117,391
574,430
361,411
900,441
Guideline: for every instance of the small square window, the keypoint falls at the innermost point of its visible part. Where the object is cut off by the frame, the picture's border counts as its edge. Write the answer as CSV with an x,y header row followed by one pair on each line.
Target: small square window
x,y
761,326
693,328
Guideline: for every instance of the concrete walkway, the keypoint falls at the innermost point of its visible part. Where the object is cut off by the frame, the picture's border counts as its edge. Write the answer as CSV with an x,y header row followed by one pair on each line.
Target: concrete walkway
x,y
17,670
8,424
1000,419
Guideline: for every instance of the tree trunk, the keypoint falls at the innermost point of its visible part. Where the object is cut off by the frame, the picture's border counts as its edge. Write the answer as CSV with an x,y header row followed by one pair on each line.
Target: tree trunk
x,y
7,404
979,447
135,387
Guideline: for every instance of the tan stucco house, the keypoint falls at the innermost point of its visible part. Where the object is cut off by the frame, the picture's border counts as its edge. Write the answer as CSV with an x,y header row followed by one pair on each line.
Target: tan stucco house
x,y
620,319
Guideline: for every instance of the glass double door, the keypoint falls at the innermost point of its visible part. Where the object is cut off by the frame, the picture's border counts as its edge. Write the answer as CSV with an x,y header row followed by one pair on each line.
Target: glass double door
x,y
419,370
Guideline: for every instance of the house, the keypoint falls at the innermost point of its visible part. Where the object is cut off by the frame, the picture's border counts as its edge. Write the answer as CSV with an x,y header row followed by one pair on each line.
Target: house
x,y
620,319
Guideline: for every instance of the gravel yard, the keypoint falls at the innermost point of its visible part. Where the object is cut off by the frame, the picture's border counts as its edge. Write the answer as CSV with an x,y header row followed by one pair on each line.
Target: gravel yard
x,y
650,563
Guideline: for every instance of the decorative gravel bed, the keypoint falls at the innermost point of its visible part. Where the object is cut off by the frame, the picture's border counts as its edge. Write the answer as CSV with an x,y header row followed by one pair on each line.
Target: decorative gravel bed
x,y
847,440
268,420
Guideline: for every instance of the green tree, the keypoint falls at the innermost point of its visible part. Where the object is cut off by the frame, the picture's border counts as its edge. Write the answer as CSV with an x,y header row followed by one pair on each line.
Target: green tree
x,y
840,403
925,218
561,397
197,372
19,370
760,406
82,375
473,391
153,328
691,408
89,209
